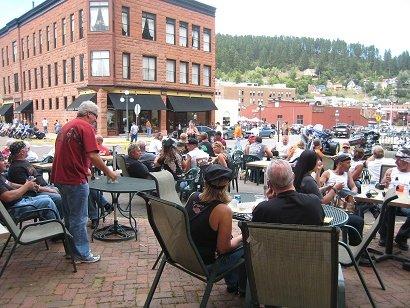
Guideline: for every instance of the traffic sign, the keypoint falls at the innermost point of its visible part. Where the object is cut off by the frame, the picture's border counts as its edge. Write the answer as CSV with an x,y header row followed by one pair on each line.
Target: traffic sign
x,y
378,118
137,109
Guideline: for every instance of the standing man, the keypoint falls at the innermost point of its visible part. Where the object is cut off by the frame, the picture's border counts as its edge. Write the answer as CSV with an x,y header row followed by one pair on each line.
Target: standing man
x,y
148,126
75,148
44,122
134,132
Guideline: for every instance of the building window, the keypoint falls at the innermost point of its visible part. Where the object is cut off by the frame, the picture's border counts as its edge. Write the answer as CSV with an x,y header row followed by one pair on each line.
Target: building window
x,y
149,68
40,41
36,104
22,49
170,31
64,71
55,35
99,16
28,46
72,27
299,119
65,102
2,57
183,34
126,66
171,74
195,74
125,19
4,85
63,30
34,44
49,74
195,37
81,67
7,55
42,104
280,116
80,24
57,103
207,40
100,63
8,83
207,76
148,26
16,82
72,69
50,103
41,77
55,73
47,38
14,48
183,72
35,79
29,79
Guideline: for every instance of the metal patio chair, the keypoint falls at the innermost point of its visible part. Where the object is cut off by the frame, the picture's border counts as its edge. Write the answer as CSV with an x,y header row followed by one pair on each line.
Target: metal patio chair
x,y
32,233
171,226
292,265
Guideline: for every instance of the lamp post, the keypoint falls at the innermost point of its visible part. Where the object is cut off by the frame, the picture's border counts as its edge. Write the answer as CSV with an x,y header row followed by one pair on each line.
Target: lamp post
x,y
260,105
127,100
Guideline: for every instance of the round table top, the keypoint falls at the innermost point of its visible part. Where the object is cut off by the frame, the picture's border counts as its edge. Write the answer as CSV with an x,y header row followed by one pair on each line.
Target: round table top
x,y
124,185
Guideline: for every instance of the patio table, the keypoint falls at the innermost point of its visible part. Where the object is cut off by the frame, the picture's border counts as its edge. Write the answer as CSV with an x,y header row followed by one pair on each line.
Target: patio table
x,y
403,201
117,232
337,216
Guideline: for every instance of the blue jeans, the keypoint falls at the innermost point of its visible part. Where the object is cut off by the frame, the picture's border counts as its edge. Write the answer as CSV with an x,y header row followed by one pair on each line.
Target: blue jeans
x,y
75,207
237,277
56,197
19,210
149,131
134,137
96,200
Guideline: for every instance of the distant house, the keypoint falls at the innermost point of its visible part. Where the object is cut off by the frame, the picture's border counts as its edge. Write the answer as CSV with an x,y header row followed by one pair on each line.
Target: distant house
x,y
351,85
309,72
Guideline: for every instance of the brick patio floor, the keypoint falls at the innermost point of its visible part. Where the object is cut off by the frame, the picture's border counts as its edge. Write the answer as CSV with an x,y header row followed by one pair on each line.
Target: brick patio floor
x,y
36,277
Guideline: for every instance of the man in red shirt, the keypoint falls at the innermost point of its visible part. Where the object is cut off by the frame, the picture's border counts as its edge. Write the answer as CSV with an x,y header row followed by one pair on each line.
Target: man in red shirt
x,y
75,148
103,150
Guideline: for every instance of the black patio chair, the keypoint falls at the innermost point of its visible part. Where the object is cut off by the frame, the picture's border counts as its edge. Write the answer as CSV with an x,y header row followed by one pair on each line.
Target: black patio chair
x,y
253,173
171,226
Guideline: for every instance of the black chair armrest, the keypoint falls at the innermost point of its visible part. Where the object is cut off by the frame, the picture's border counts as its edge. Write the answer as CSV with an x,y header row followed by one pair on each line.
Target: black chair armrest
x,y
356,237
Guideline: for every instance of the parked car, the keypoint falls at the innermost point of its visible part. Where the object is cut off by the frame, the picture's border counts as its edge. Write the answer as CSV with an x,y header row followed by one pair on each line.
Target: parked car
x,y
264,131
295,129
206,129
341,130
228,133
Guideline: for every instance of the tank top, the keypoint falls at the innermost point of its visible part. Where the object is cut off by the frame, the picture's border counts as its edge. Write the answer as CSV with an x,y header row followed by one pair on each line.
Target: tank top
x,y
336,178
202,234
398,177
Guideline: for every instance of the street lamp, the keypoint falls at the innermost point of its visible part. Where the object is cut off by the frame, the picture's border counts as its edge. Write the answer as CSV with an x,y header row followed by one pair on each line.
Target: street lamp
x,y
260,105
127,100
337,116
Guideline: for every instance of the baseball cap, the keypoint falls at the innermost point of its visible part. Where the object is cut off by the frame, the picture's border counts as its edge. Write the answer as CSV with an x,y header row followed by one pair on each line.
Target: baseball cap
x,y
341,158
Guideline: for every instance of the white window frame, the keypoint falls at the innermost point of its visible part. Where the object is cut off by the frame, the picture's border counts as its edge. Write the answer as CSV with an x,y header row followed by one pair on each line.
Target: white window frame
x,y
183,34
95,6
170,31
207,40
196,73
183,72
149,68
196,30
207,75
171,71
100,63
126,65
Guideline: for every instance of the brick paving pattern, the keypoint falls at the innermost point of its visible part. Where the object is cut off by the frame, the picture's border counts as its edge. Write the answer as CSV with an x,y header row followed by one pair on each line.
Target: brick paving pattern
x,y
36,277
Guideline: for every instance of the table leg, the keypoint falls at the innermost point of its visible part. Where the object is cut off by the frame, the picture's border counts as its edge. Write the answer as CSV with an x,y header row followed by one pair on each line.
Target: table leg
x,y
389,254
115,232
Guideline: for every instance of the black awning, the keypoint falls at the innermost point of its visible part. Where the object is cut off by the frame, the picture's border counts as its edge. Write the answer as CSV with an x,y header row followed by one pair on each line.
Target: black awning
x,y
191,104
146,101
25,107
6,108
82,98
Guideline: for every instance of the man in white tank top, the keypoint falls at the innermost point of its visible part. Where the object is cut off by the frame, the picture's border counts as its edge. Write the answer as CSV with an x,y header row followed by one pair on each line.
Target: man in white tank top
x,y
399,175
375,162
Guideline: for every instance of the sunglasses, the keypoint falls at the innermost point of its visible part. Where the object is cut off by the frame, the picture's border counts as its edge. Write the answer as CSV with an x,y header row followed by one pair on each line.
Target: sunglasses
x,y
94,114
346,147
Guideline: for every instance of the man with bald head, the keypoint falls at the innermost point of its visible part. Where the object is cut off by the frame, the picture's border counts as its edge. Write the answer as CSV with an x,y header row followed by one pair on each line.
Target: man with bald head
x,y
285,204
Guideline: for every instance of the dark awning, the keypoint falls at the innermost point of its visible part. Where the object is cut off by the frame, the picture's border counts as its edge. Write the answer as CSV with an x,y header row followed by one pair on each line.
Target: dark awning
x,y
190,104
146,101
82,98
26,107
6,108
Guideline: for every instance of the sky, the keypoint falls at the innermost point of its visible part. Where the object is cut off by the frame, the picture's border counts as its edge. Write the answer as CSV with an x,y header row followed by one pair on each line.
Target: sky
x,y
384,24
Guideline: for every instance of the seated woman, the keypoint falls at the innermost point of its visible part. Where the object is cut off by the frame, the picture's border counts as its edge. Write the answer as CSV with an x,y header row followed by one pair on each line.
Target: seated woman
x,y
295,151
222,158
211,225
169,159
305,183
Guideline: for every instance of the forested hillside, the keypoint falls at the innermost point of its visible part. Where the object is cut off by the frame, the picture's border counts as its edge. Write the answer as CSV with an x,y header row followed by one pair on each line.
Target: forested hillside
x,y
333,60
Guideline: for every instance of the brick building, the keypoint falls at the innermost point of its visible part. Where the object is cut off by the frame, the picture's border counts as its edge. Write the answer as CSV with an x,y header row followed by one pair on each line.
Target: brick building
x,y
252,94
305,113
63,52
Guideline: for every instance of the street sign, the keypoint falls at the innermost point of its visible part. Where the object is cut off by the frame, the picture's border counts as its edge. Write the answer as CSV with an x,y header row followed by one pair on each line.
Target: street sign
x,y
137,109
378,118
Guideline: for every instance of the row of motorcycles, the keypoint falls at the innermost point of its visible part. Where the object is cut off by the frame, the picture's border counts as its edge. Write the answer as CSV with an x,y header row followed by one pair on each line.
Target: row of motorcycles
x,y
20,131
363,139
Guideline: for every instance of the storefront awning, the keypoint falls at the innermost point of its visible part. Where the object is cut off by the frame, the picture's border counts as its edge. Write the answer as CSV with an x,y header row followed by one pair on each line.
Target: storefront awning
x,y
191,104
146,101
25,107
6,108
82,98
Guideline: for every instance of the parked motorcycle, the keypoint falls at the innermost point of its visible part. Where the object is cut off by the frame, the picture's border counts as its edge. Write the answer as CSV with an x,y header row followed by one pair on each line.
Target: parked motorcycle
x,y
329,147
365,140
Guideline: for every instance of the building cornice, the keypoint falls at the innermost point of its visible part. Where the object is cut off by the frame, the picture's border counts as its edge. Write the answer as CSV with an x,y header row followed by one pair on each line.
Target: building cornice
x,y
194,6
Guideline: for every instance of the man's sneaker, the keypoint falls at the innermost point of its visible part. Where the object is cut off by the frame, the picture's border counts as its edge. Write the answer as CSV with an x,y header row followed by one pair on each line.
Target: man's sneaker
x,y
90,259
